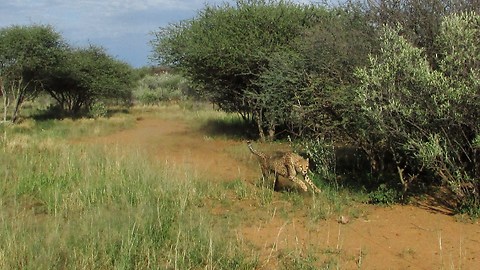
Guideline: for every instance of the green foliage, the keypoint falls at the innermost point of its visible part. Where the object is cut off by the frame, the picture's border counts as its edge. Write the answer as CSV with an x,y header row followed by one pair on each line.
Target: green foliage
x,y
27,54
426,119
280,101
322,154
88,75
226,48
384,195
282,66
333,49
154,89
395,94
98,109
420,20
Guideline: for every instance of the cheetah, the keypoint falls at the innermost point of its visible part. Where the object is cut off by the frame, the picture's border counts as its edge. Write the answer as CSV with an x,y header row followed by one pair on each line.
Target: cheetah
x,y
287,165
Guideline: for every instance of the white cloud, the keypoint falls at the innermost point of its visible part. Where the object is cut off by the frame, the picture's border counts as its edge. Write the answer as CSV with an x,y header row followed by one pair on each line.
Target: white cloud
x,y
121,26
81,19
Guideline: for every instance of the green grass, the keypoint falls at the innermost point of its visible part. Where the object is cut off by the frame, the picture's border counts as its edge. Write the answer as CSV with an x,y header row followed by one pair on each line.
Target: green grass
x,y
68,128
70,205
77,206
336,200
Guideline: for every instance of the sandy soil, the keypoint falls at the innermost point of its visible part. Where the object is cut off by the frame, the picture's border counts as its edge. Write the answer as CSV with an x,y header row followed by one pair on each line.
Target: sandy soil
x,y
400,237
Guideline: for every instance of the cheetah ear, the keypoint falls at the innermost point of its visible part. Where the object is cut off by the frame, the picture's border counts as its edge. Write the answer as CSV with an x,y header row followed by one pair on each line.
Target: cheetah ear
x,y
308,159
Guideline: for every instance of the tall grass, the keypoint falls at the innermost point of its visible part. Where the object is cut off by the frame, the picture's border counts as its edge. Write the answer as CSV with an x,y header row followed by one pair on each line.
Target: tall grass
x,y
77,206
71,205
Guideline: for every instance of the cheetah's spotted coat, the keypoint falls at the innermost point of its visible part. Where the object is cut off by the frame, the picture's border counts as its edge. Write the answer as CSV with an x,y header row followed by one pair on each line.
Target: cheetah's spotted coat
x,y
287,165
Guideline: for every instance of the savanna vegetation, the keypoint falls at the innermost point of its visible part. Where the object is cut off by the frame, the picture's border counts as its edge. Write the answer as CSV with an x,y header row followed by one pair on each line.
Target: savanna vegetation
x,y
383,96
35,60
68,204
396,80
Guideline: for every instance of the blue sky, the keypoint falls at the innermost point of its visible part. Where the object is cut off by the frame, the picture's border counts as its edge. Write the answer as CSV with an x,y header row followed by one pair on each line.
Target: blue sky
x,y
122,27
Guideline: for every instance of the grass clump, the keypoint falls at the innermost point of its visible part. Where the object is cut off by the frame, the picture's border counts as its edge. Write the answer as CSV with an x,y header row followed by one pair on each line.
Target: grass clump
x,y
83,206
65,129
334,201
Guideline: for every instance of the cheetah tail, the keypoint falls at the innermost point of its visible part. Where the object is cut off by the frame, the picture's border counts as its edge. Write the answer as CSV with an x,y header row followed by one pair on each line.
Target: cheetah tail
x,y
255,152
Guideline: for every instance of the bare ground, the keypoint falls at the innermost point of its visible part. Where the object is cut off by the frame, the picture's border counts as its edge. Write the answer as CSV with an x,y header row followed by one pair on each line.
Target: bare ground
x,y
399,237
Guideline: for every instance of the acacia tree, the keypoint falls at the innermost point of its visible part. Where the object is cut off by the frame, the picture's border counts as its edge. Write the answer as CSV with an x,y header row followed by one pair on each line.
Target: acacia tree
x,y
88,75
324,74
225,49
278,64
27,54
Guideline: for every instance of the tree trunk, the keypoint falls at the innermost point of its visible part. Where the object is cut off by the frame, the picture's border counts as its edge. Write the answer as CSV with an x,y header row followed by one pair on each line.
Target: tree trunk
x,y
16,109
19,93
5,100
258,118
271,132
5,107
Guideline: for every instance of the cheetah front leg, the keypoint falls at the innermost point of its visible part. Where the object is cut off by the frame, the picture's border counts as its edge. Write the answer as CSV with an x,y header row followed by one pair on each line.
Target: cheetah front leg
x,y
298,182
292,175
309,181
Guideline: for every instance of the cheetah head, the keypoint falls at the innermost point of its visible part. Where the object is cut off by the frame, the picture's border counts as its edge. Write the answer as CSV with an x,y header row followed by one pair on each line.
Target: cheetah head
x,y
302,166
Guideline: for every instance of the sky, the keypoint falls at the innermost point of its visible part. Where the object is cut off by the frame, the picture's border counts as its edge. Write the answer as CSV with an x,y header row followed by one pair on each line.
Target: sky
x,y
123,27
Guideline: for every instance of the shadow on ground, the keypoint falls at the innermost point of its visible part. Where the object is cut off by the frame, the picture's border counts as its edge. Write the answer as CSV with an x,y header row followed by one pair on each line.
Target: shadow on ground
x,y
235,129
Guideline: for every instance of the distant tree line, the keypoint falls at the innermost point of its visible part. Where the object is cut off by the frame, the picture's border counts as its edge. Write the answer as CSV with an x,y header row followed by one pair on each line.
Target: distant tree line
x,y
36,59
397,79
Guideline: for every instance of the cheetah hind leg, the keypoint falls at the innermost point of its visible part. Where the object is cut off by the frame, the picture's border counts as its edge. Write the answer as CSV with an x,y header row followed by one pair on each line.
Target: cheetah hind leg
x,y
311,184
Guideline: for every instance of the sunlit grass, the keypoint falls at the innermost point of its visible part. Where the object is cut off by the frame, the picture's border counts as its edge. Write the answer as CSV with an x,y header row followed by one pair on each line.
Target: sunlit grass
x,y
69,128
78,206
72,205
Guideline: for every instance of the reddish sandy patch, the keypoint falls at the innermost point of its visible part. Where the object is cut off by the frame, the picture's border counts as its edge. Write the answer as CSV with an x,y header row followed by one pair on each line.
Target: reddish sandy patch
x,y
173,142
400,237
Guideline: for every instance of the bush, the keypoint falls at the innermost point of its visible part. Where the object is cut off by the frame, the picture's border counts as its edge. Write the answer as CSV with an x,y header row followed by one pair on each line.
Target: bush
x,y
322,155
98,109
226,48
86,75
154,89
384,195
426,119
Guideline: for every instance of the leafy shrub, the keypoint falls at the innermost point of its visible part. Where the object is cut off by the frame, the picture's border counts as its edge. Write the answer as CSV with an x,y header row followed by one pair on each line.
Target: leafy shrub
x,y
154,89
426,118
86,75
384,195
98,109
322,155
226,48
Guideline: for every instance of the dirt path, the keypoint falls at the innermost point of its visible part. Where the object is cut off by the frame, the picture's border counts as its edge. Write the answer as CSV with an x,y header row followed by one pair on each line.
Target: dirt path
x,y
173,142
401,237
